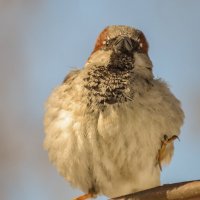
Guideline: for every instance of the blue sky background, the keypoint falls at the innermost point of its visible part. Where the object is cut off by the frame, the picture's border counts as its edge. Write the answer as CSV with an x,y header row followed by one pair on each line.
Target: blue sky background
x,y
40,41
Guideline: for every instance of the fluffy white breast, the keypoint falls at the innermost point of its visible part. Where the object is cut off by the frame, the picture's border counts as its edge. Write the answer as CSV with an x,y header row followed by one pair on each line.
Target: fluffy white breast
x,y
115,149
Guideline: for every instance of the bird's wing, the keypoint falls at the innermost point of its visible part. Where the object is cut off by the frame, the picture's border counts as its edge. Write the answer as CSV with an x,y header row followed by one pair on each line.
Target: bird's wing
x,y
71,76
66,126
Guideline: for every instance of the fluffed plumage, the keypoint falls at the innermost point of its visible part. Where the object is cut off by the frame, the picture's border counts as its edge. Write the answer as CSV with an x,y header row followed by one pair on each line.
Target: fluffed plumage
x,y
104,124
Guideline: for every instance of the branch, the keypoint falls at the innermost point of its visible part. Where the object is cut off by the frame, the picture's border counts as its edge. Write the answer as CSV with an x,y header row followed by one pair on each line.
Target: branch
x,y
189,190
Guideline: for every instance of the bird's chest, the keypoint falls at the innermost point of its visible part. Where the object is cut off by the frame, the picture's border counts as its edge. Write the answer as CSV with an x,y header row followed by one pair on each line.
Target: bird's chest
x,y
127,147
128,136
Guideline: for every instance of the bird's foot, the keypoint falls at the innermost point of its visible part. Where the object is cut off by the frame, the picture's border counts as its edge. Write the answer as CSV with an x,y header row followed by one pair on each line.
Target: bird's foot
x,y
161,152
85,196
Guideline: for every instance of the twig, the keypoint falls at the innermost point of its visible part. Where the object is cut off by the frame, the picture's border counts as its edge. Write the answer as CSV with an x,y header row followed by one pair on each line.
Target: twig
x,y
189,190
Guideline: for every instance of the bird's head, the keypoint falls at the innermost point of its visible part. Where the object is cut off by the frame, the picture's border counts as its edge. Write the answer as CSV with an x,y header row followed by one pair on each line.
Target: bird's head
x,y
122,48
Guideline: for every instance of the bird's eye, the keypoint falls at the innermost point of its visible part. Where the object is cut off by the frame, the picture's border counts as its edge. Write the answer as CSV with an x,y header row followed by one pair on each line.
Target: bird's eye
x,y
104,42
107,42
142,43
135,45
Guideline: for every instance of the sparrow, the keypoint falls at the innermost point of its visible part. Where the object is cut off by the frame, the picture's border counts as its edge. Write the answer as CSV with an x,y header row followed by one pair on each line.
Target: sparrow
x,y
110,126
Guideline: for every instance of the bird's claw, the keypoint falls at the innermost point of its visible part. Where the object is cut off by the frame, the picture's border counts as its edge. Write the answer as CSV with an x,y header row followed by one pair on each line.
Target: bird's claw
x,y
161,152
85,196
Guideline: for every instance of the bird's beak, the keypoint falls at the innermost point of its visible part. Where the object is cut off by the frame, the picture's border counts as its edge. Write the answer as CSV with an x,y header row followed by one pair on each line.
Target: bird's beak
x,y
123,44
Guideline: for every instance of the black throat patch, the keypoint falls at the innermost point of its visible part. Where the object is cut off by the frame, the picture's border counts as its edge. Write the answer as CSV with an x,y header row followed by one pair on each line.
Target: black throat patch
x,y
121,62
110,84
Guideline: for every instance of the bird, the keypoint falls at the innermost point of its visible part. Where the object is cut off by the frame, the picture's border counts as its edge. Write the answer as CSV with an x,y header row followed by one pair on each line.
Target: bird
x,y
111,125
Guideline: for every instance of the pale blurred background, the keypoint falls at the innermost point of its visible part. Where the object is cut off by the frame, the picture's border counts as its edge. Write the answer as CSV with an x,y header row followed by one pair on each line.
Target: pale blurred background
x,y
40,41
